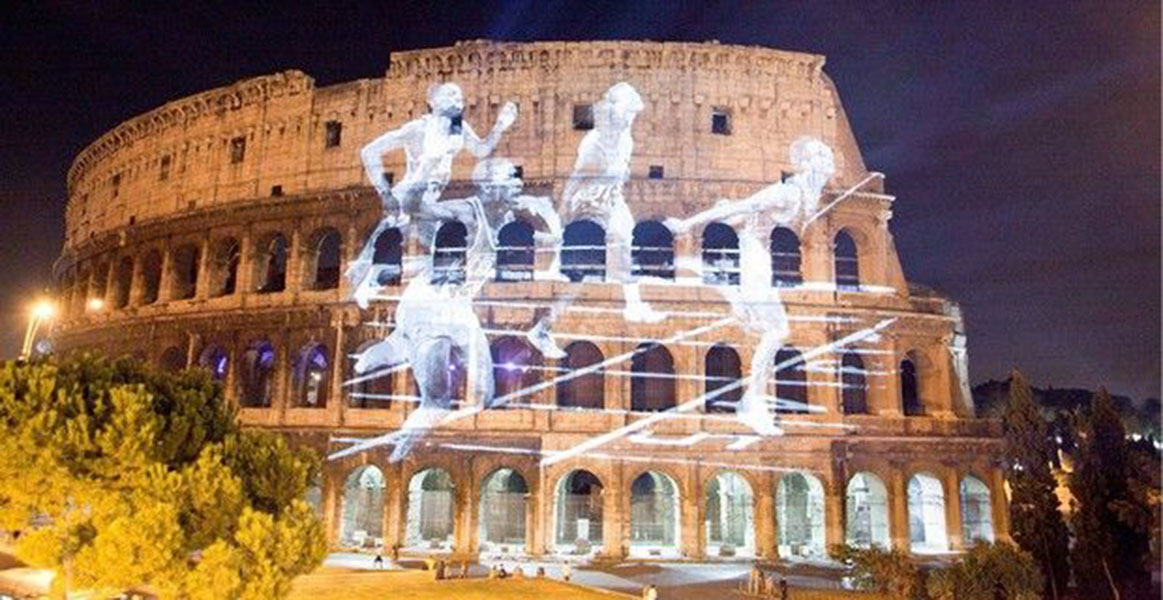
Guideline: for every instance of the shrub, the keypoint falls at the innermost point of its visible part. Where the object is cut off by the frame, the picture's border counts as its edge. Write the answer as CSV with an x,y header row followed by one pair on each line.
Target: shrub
x,y
889,572
988,572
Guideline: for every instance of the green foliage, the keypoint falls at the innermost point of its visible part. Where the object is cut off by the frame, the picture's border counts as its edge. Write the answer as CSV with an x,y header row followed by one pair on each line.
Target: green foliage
x,y
120,476
988,572
1036,523
889,572
1108,552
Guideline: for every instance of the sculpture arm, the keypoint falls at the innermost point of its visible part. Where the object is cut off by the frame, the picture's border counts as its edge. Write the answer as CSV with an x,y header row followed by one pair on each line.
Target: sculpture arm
x,y
482,148
372,155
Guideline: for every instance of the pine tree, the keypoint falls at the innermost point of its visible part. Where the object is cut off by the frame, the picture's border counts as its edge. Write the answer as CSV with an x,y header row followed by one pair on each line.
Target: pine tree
x,y
1036,523
1108,554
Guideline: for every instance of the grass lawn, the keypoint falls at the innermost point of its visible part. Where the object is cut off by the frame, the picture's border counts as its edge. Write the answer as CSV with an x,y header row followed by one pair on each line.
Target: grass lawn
x,y
349,584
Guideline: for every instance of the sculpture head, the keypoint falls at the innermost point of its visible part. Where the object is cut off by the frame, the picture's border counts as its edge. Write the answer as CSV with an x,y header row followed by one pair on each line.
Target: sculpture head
x,y
497,175
813,159
446,99
619,105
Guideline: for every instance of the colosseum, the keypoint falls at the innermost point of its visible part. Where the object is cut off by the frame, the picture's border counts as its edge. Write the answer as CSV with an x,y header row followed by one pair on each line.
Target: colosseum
x,y
215,230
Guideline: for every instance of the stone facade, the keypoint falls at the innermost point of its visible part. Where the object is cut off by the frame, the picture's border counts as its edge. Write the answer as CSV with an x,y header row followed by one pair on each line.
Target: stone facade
x,y
172,217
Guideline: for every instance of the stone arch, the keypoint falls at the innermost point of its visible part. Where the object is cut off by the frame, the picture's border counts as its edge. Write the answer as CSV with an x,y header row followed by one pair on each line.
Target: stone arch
x,y
722,368
654,515
362,513
853,384
374,389
578,513
582,391
652,378
215,359
927,533
846,261
151,276
720,255
866,501
503,509
791,381
976,511
184,271
729,514
271,263
583,251
123,282
388,256
449,253
311,376
430,522
324,258
172,360
786,270
800,515
516,366
652,250
258,369
515,252
224,270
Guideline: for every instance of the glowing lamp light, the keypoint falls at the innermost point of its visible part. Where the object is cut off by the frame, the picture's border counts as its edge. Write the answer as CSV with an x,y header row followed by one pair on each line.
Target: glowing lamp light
x,y
96,304
44,310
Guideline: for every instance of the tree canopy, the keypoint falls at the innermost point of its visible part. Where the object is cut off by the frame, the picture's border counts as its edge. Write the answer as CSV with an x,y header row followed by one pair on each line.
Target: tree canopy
x,y
118,476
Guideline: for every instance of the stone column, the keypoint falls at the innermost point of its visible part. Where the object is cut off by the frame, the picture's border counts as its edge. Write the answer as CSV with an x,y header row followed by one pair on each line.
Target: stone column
x,y
833,516
951,482
333,482
295,259
247,255
888,393
336,403
765,534
395,496
898,502
693,542
534,519
165,291
205,261
999,505
615,513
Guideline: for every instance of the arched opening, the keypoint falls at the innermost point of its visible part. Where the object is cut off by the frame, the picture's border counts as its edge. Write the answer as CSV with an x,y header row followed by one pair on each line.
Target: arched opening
x,y
582,391
652,378
430,511
578,514
362,522
449,253
151,277
867,518
272,264
791,382
502,522
100,283
720,255
516,366
911,403
184,271
846,262
853,384
722,368
976,511
800,509
654,515
326,255
785,258
172,360
313,496
215,360
515,252
258,367
730,516
388,255
583,252
927,533
652,251
227,256
374,389
123,282
310,377
446,383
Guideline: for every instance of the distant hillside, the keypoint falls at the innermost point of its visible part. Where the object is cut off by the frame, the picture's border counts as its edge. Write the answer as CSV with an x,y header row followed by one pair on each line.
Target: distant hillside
x,y
1139,416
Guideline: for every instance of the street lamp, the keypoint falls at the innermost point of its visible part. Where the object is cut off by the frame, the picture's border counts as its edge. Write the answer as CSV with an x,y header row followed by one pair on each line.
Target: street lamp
x,y
42,311
96,304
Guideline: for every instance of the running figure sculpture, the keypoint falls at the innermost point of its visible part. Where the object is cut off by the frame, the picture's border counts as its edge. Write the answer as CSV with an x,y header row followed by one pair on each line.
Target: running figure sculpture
x,y
755,303
430,144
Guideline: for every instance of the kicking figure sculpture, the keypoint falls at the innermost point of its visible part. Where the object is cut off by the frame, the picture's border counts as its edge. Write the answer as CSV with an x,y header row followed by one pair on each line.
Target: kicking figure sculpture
x,y
755,303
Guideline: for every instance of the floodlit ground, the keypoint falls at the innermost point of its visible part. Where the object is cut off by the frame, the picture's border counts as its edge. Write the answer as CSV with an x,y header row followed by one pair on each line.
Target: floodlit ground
x,y
349,584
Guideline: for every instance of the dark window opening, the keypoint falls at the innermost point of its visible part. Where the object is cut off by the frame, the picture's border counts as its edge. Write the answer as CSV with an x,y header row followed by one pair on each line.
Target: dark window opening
x,y
721,121
583,117
583,252
164,171
237,150
791,382
785,258
582,391
327,258
656,172
274,266
449,253
910,390
334,132
652,251
723,369
846,262
515,252
518,171
853,385
652,378
388,257
720,255
276,191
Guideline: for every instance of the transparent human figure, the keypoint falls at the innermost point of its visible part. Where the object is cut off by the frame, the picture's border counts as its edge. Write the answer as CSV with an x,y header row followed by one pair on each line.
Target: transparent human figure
x,y
430,144
595,189
755,303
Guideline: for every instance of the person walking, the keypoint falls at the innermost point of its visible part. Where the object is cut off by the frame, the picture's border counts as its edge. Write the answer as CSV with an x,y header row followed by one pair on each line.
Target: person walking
x,y
566,571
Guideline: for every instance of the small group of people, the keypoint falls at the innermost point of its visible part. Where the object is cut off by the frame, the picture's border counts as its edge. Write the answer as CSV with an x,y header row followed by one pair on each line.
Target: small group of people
x,y
766,586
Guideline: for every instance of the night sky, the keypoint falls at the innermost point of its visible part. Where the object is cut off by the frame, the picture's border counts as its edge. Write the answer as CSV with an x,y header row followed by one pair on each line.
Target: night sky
x,y
1022,139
